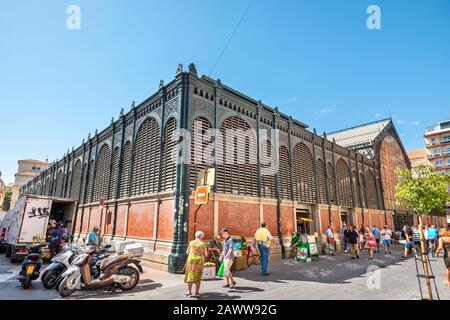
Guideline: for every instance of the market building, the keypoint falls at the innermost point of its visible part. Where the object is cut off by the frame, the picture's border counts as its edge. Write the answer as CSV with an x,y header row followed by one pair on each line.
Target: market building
x,y
268,167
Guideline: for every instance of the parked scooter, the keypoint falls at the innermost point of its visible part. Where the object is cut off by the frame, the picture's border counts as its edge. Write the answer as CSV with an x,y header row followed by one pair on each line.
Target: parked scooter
x,y
31,265
59,264
116,271
62,261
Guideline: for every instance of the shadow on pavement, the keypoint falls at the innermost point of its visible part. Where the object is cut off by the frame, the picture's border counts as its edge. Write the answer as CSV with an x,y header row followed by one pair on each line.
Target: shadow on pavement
x,y
217,296
143,286
329,269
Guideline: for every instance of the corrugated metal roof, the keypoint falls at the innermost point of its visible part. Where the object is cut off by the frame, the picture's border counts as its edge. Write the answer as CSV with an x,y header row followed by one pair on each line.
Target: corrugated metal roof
x,y
360,135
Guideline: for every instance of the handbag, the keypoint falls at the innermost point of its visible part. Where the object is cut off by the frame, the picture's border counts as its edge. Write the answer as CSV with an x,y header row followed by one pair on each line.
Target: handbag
x,y
372,242
220,272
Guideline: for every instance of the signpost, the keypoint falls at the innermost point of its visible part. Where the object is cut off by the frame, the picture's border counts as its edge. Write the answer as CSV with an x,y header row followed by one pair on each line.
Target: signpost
x,y
205,180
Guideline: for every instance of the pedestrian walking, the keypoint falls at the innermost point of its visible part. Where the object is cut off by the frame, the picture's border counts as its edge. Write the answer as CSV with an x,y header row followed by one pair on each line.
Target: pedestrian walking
x,y
352,238
361,243
330,240
343,238
376,234
416,237
409,241
197,253
263,239
444,244
385,236
227,258
369,242
432,238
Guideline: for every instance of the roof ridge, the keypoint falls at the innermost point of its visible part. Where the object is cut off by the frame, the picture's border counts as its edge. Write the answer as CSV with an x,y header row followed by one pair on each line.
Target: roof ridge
x,y
358,126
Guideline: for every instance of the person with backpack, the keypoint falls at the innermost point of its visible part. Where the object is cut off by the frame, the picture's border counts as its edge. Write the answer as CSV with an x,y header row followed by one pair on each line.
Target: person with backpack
x,y
376,234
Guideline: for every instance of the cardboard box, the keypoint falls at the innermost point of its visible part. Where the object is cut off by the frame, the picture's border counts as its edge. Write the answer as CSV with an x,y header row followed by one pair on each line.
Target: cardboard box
x,y
240,263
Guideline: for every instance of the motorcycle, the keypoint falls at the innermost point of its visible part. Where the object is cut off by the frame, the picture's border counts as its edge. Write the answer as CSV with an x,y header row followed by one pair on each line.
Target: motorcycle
x,y
59,264
31,265
62,261
115,271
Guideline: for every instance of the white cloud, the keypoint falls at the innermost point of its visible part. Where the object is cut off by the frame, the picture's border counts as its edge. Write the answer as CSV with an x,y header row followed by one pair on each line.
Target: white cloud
x,y
293,99
377,115
324,111
414,123
403,134
400,122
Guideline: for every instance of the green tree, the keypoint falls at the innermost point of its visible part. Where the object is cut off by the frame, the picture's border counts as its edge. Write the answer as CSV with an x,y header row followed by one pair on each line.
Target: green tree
x,y
423,190
7,200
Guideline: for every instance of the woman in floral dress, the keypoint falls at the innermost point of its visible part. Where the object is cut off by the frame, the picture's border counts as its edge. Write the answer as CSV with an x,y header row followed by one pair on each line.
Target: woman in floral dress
x,y
197,253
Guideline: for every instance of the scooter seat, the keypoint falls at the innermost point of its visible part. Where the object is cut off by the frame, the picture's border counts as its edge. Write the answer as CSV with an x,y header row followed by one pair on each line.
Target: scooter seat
x,y
107,261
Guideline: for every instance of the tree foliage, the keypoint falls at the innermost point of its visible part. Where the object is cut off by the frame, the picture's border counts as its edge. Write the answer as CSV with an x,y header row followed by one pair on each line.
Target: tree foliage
x,y
7,200
422,190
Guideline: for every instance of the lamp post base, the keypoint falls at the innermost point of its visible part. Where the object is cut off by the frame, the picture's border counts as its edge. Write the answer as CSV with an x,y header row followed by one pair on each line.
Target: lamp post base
x,y
176,262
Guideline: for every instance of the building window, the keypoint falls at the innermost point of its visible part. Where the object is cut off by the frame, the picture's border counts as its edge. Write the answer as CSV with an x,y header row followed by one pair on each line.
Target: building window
x,y
438,163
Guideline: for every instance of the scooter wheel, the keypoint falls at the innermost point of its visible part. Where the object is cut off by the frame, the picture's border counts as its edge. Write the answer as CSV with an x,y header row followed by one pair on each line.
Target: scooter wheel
x,y
64,290
131,272
49,278
26,283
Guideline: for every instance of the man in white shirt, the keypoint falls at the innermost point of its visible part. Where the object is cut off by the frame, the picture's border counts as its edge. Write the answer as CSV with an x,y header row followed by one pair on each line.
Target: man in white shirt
x,y
385,235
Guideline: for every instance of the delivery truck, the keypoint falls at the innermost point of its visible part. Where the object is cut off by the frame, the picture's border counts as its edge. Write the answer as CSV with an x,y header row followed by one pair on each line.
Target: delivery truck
x,y
30,222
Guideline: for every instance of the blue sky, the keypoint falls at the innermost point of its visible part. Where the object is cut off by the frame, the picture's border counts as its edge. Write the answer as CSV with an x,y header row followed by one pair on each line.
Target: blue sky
x,y
315,60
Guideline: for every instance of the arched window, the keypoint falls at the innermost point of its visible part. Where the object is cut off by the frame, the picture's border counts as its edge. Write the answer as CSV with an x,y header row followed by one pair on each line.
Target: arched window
x,y
363,190
267,165
102,173
90,182
59,181
355,188
114,173
236,158
76,181
170,156
303,174
201,153
126,167
343,182
146,159
331,183
39,188
391,160
321,181
285,189
371,190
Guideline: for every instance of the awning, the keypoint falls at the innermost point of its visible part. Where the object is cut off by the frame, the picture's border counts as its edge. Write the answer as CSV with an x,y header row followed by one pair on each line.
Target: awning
x,y
305,219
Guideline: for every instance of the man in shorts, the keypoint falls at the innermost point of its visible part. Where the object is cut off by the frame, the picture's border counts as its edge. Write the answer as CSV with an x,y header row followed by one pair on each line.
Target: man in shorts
x,y
227,257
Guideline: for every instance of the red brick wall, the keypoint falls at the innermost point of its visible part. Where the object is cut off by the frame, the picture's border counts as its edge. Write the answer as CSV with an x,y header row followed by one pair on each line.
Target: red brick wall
x,y
270,217
324,219
205,219
241,218
140,220
166,220
287,220
390,220
120,224
335,220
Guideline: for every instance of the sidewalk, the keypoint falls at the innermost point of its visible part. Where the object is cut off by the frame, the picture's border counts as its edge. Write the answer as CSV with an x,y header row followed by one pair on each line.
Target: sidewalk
x,y
336,277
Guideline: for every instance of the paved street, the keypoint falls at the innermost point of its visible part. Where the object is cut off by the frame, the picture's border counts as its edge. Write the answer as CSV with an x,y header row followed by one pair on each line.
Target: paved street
x,y
336,277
